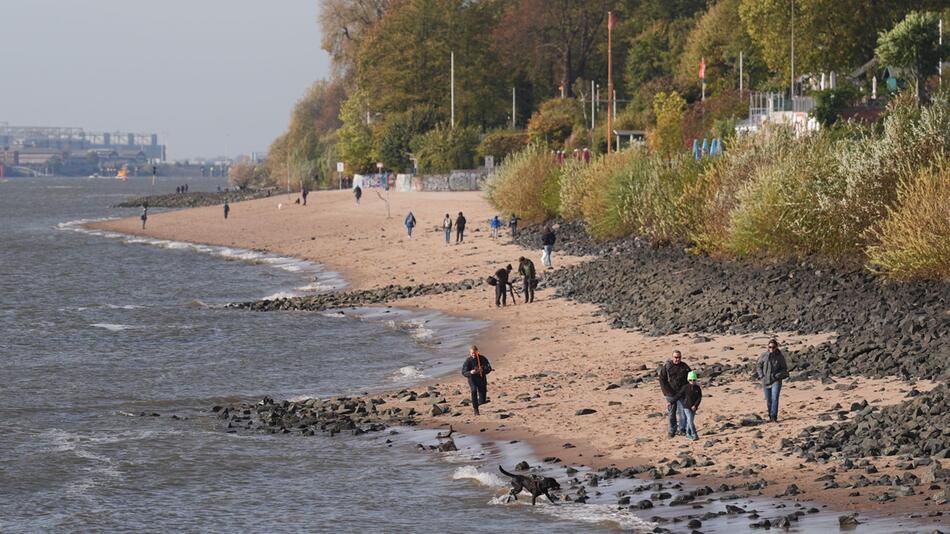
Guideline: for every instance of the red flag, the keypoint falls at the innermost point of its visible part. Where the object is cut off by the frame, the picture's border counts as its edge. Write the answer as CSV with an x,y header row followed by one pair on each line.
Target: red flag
x,y
702,69
611,20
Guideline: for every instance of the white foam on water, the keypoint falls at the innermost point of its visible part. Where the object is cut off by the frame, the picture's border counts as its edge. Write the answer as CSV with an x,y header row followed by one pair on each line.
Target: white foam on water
x,y
334,315
281,295
470,472
596,514
112,327
122,306
315,286
408,372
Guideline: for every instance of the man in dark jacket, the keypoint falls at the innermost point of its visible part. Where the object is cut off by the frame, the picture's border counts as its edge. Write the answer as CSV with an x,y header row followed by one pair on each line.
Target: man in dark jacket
x,y
501,287
476,369
772,369
358,193
459,228
528,274
673,376
547,239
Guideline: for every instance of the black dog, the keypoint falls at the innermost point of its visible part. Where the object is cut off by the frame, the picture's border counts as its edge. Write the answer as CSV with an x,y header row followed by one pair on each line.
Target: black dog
x,y
535,485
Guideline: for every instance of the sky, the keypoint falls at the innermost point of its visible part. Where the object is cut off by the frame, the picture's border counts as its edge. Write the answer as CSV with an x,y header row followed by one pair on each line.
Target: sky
x,y
211,77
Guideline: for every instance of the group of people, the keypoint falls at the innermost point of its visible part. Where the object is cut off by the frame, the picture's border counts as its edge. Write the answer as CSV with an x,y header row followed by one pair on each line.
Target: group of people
x,y
504,285
496,225
183,189
680,387
459,228
678,383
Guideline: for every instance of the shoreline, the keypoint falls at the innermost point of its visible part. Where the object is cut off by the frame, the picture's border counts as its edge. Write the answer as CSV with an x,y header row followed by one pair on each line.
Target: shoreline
x,y
576,327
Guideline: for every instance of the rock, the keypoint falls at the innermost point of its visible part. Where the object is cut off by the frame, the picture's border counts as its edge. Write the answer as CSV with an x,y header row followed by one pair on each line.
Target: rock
x,y
848,520
694,523
438,410
791,490
522,466
645,504
585,411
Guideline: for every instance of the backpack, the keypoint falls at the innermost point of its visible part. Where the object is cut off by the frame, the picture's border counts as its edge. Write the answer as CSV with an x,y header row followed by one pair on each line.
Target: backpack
x,y
534,283
492,281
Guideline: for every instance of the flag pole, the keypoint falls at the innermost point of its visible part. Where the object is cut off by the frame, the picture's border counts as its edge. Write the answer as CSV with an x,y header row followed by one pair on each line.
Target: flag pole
x,y
610,78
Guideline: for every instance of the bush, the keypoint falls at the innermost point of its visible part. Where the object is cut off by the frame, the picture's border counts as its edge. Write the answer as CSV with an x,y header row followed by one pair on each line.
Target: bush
x,y
582,184
246,173
666,138
648,197
443,149
502,143
914,239
830,103
525,184
554,121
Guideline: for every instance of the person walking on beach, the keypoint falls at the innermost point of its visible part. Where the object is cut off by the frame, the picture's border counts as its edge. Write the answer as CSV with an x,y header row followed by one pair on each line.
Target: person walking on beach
x,y
690,395
501,287
459,228
529,277
447,227
476,369
513,225
357,192
772,369
547,239
410,223
673,376
495,226
227,209
303,194
144,216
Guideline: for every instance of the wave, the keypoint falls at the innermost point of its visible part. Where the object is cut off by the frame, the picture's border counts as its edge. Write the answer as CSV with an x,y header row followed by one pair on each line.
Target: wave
x,y
112,327
597,514
470,472
408,372
323,280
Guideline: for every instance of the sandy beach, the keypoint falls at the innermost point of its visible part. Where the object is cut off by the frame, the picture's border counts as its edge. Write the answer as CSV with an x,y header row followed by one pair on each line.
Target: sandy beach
x,y
554,357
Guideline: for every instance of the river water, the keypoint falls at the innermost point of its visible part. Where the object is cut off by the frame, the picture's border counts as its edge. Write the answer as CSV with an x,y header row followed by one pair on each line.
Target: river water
x,y
99,332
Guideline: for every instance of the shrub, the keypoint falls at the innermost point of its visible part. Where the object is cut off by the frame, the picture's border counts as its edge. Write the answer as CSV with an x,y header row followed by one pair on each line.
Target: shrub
x,y
582,185
502,143
524,184
830,103
246,173
443,149
554,121
648,197
666,139
914,239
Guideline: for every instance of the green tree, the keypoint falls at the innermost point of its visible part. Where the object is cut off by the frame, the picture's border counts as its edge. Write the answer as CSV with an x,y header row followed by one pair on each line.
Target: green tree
x,y
829,34
399,130
913,46
355,144
554,121
666,138
343,26
405,61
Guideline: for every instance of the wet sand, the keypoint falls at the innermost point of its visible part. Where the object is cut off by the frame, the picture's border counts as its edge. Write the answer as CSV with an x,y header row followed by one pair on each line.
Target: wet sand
x,y
552,357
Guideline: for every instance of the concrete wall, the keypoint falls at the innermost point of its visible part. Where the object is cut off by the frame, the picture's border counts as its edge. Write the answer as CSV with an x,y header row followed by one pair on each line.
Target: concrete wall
x,y
460,180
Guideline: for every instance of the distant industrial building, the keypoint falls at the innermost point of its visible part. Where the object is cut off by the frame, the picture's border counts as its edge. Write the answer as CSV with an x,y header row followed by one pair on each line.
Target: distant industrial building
x,y
28,146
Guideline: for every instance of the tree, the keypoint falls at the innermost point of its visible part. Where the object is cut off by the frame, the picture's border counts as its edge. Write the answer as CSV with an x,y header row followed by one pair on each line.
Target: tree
x,y
399,130
666,138
355,145
913,46
343,26
558,36
246,173
444,148
554,121
829,34
405,61
718,37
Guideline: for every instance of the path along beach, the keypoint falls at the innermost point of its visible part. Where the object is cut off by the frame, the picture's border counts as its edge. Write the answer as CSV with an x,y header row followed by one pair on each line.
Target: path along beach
x,y
555,356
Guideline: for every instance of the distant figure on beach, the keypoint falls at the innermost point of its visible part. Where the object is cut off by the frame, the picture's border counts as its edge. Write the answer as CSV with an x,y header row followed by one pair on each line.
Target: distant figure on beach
x,y
547,239
690,396
410,223
177,189
476,369
501,287
357,192
772,369
513,225
459,228
529,278
303,194
673,376
495,226
144,216
447,227
186,188
227,209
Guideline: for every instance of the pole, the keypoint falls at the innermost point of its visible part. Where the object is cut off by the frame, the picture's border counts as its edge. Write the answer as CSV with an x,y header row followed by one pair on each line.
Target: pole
x,y
792,81
740,73
512,108
452,67
610,75
593,111
940,61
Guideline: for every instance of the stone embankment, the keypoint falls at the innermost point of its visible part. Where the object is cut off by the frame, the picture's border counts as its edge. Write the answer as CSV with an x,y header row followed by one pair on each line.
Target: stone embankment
x,y
347,299
193,200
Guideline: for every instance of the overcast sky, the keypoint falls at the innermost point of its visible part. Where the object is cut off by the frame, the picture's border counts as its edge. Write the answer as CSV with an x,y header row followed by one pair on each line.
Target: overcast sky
x,y
211,77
